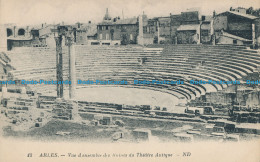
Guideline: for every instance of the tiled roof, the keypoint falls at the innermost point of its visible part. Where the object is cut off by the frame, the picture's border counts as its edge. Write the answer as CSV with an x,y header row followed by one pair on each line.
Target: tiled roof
x,y
239,14
127,21
92,30
235,37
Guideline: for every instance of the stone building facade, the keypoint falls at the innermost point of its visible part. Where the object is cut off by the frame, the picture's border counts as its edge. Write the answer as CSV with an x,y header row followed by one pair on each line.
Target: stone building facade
x,y
241,26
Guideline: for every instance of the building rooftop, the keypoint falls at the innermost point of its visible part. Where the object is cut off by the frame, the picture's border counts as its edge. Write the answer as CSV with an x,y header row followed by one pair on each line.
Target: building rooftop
x,y
120,22
208,18
92,31
127,21
251,17
235,37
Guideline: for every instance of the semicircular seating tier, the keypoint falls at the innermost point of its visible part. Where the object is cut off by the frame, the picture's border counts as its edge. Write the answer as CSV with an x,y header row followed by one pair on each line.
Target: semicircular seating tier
x,y
129,63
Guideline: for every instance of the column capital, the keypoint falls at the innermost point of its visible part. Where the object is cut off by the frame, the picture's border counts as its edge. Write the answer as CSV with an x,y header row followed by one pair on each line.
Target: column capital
x,y
58,37
70,40
58,40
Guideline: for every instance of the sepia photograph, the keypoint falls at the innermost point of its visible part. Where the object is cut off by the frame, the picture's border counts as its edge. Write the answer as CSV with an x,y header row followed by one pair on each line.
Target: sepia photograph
x,y
136,80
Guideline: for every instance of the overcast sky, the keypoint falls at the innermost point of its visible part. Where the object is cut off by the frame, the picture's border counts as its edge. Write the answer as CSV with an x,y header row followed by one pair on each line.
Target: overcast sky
x,y
71,11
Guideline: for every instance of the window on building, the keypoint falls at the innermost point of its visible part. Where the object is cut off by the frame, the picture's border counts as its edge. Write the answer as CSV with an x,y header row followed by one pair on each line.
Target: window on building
x,y
21,32
131,37
100,36
234,41
107,36
9,32
107,27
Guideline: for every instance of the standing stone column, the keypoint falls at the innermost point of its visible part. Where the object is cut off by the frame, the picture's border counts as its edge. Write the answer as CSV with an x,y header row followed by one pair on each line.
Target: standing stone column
x,y
4,91
59,74
72,77
253,35
141,34
72,67
212,33
158,31
23,90
75,111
